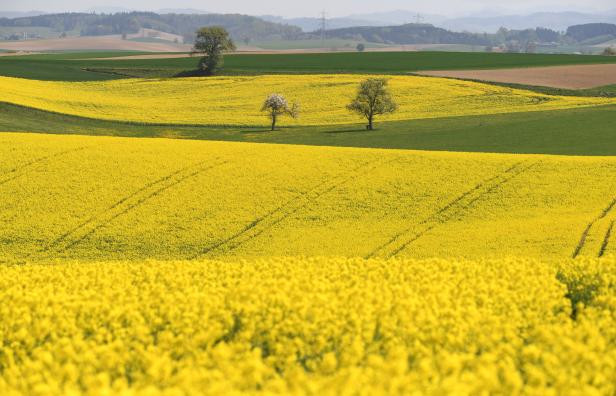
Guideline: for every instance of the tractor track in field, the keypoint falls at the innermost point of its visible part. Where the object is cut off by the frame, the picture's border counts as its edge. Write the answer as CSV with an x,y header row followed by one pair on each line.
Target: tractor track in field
x,y
123,206
287,209
17,171
591,226
458,205
606,239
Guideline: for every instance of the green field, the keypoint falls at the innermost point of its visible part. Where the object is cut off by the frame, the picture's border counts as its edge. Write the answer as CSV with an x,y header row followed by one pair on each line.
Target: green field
x,y
72,66
568,132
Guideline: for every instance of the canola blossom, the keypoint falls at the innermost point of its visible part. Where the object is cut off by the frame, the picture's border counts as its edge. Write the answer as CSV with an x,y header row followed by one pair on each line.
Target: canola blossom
x,y
101,198
236,101
309,327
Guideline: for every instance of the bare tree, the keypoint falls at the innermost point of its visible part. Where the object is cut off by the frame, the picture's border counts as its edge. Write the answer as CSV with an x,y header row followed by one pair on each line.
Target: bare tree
x,y
212,41
276,106
373,98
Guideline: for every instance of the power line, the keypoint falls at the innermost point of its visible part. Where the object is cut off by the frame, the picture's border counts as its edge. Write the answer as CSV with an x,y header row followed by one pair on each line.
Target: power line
x,y
323,26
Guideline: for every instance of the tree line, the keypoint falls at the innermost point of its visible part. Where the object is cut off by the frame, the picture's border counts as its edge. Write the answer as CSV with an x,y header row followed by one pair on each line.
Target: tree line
x,y
241,27
509,40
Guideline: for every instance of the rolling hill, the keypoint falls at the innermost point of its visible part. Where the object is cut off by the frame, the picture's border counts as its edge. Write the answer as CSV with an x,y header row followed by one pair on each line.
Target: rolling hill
x,y
168,199
147,101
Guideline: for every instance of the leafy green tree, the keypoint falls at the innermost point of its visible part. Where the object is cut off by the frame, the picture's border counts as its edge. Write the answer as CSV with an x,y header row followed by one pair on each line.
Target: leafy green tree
x,y
373,98
212,41
276,106
361,47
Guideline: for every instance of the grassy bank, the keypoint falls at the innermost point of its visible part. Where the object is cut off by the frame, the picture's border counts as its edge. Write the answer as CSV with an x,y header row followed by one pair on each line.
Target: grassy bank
x,y
585,131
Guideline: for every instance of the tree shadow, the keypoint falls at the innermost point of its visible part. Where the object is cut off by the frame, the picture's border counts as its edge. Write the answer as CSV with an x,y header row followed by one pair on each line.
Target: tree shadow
x,y
257,131
354,130
190,73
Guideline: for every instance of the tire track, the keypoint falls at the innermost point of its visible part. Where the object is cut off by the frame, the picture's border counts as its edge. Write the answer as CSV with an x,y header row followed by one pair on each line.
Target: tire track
x,y
17,171
594,224
126,204
275,216
606,240
406,237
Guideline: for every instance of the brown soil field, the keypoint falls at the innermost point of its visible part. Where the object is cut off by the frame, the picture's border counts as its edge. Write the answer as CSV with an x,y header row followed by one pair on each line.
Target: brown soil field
x,y
256,50
239,51
148,56
143,33
113,42
567,77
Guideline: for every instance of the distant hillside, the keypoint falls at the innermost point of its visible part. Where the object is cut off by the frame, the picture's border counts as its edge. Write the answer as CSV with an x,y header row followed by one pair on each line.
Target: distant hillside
x,y
559,21
526,40
389,18
407,34
315,24
593,33
477,23
241,27
247,29
400,17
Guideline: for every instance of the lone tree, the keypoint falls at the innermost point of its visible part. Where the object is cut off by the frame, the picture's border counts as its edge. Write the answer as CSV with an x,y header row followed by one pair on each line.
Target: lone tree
x,y
360,47
276,106
373,98
212,41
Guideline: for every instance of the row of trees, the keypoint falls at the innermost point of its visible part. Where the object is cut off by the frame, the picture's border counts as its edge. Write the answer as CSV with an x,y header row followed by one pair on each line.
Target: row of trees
x,y
239,26
373,99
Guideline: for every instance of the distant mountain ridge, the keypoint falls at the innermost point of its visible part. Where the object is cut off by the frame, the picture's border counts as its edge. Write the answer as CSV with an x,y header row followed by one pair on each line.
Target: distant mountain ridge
x,y
484,22
315,24
401,17
488,21
188,11
20,14
391,18
114,10
559,21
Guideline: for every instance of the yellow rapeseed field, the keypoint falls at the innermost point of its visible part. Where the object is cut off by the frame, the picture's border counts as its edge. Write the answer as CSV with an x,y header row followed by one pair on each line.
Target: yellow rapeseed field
x,y
237,100
143,267
100,198
320,326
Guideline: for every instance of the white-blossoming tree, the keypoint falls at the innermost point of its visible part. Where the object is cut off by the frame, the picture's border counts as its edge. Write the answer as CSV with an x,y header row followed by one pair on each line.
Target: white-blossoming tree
x,y
277,106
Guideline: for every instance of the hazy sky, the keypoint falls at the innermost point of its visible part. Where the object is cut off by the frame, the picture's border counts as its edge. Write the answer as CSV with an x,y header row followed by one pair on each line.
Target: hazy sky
x,y
313,7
